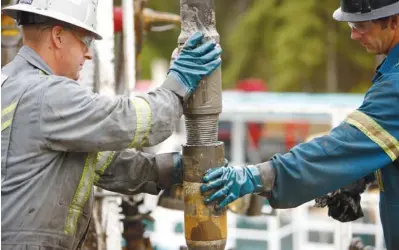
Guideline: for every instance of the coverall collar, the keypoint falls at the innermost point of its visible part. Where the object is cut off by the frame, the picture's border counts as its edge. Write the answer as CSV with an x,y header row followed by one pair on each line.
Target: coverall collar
x,y
390,61
33,58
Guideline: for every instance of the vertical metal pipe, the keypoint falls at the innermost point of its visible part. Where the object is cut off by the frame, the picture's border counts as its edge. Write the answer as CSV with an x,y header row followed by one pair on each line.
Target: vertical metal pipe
x,y
129,47
107,207
105,48
237,143
204,227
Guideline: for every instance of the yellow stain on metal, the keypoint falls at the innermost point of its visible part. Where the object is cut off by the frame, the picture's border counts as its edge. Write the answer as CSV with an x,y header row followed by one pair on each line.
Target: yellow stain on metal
x,y
202,222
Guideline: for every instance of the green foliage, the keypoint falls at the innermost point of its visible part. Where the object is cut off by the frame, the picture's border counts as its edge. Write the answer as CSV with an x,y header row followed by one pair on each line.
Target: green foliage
x,y
284,42
158,44
248,45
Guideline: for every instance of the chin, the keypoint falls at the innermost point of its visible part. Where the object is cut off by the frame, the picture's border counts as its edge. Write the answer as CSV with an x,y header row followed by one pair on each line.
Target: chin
x,y
373,51
76,76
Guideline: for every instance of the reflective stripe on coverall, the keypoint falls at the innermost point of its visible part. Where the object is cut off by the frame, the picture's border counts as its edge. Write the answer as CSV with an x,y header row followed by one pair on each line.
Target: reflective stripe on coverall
x,y
58,138
366,142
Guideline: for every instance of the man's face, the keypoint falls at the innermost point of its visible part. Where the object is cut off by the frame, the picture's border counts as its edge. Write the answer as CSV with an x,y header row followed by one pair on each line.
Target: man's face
x,y
74,52
375,36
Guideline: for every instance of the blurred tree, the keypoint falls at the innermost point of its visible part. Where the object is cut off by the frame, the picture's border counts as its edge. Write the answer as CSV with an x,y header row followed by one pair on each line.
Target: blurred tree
x,y
159,44
293,45
162,44
296,46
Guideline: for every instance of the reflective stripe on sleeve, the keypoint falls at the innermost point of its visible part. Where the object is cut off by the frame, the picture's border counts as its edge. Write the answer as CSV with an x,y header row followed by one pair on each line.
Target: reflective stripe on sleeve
x,y
7,115
375,132
104,159
379,135
378,177
143,122
82,194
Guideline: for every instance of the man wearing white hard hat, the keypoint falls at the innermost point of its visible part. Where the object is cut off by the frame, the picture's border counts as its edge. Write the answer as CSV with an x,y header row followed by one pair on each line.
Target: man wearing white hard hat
x,y
59,139
365,143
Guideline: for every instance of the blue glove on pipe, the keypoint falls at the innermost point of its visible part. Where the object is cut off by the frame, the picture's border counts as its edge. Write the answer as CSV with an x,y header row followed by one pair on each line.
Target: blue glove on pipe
x,y
177,173
230,183
195,61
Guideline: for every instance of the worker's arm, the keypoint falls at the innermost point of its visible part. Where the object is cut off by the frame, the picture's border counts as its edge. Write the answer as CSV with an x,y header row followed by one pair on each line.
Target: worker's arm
x,y
366,141
73,118
130,172
324,164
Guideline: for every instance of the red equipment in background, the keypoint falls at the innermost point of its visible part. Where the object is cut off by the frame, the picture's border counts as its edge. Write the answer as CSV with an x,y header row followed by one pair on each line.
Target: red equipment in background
x,y
254,129
293,131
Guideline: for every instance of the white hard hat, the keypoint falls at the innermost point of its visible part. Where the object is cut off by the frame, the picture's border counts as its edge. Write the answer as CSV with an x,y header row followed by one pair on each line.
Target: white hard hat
x,y
365,10
80,13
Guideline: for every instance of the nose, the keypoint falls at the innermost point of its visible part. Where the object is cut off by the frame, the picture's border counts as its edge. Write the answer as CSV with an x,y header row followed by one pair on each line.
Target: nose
x,y
88,54
355,35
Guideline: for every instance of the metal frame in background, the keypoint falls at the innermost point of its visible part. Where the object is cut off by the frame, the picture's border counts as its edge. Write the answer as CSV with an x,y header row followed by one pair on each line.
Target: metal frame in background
x,y
240,108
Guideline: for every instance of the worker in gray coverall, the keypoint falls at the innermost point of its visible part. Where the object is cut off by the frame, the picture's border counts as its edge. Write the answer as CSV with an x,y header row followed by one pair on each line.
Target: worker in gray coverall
x,y
58,138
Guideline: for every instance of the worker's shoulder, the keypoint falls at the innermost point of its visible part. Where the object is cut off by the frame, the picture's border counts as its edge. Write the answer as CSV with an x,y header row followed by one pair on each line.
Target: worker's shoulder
x,y
388,83
63,90
19,80
382,97
49,84
384,93
58,81
391,75
34,75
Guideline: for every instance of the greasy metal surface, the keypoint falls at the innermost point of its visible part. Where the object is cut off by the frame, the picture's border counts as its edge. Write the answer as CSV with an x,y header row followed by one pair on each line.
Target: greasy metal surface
x,y
207,245
207,99
201,129
198,159
197,15
134,226
205,229
201,222
172,198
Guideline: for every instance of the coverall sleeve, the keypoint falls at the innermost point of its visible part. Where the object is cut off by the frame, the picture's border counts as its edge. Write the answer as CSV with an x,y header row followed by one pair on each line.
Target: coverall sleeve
x,y
130,172
75,119
365,142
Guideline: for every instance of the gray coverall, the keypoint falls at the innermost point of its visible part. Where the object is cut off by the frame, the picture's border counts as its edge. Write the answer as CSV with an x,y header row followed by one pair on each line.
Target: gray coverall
x,y
58,139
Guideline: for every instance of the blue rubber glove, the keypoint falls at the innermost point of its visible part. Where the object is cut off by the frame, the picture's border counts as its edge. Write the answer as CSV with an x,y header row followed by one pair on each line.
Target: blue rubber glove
x,y
230,183
195,61
177,172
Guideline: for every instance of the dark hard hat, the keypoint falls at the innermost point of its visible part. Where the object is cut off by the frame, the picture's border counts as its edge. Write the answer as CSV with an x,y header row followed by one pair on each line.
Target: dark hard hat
x,y
364,10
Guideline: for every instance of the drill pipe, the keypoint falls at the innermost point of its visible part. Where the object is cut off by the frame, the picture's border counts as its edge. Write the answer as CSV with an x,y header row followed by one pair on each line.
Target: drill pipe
x,y
205,229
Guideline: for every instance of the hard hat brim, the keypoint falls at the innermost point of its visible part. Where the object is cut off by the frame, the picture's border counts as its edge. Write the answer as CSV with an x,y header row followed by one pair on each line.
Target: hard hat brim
x,y
14,9
386,11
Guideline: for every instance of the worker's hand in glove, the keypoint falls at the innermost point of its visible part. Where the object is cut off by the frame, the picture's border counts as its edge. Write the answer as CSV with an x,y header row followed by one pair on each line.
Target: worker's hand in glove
x,y
195,61
344,203
230,183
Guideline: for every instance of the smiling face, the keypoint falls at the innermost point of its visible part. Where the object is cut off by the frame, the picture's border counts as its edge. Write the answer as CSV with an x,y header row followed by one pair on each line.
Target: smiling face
x,y
72,49
378,36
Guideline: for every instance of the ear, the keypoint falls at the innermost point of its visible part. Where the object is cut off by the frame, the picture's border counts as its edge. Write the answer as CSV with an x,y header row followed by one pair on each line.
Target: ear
x,y
57,36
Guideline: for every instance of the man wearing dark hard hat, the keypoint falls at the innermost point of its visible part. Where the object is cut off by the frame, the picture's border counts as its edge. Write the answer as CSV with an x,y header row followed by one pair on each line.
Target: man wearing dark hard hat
x,y
58,139
365,143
